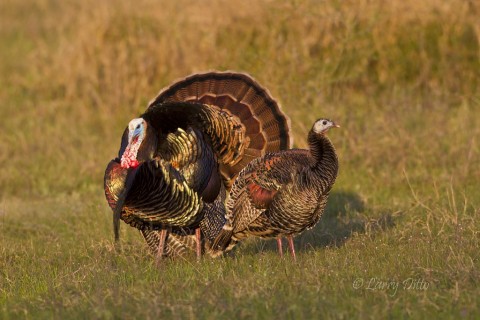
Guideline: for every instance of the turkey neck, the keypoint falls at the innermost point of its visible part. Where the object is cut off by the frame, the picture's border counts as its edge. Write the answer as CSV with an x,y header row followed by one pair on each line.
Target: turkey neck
x,y
148,148
323,155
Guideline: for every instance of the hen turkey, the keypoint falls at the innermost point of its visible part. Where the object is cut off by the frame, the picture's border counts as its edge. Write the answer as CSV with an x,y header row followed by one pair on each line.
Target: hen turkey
x,y
282,193
177,160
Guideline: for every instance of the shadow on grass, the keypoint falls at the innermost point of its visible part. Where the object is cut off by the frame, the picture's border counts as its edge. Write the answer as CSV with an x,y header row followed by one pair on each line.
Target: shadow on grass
x,y
343,217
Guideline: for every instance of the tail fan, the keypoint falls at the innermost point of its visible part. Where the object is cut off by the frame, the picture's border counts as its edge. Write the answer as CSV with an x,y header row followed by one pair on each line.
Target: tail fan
x,y
239,96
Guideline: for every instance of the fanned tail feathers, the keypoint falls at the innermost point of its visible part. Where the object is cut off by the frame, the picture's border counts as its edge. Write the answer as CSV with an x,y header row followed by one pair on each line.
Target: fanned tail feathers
x,y
242,119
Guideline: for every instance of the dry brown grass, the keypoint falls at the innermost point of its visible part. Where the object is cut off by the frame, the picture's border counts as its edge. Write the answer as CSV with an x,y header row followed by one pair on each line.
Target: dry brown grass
x,y
90,67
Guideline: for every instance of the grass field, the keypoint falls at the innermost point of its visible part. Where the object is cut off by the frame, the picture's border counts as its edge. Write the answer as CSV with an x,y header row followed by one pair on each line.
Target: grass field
x,y
401,233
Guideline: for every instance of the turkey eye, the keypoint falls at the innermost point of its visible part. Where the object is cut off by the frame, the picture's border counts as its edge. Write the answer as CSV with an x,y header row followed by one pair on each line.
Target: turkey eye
x,y
138,126
324,122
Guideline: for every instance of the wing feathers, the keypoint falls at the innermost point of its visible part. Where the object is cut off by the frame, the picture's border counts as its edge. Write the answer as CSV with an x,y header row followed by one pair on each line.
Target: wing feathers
x,y
160,195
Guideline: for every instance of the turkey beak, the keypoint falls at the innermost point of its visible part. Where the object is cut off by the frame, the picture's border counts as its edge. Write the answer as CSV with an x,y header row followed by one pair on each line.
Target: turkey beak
x,y
336,125
134,139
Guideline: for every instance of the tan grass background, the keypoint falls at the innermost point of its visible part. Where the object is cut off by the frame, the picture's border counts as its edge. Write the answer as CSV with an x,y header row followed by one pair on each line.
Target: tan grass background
x,y
381,68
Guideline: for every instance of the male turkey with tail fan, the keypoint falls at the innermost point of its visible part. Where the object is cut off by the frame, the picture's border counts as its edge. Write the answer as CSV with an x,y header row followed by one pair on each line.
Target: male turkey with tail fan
x,y
178,160
282,193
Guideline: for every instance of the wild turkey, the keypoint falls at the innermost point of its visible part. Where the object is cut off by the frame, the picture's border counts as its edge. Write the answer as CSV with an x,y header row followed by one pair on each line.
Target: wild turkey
x,y
178,159
282,193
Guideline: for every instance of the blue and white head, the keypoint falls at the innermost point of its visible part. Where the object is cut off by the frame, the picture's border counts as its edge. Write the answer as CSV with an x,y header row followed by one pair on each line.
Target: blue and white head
x,y
137,129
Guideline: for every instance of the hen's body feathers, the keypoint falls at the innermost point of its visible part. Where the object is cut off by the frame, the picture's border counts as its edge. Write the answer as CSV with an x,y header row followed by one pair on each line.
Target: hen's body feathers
x,y
280,194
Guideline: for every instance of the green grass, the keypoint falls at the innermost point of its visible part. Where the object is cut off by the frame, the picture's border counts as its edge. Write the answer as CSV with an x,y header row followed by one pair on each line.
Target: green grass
x,y
402,78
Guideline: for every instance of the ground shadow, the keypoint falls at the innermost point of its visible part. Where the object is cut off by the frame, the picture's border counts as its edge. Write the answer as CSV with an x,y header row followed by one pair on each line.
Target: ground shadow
x,y
344,216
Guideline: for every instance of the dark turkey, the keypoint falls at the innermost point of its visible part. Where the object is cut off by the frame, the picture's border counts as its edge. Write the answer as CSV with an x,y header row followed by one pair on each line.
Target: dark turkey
x,y
177,160
282,193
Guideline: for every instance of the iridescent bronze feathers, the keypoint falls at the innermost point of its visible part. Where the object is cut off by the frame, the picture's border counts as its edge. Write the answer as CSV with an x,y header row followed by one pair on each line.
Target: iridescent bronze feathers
x,y
178,160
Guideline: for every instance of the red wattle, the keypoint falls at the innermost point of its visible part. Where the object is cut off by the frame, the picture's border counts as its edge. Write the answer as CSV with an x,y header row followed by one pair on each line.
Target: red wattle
x,y
134,163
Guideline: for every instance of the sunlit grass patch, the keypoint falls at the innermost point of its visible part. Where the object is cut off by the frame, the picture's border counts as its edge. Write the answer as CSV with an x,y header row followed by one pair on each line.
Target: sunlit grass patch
x,y
400,234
